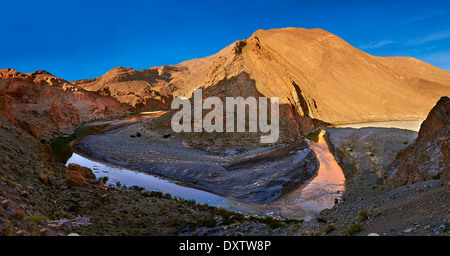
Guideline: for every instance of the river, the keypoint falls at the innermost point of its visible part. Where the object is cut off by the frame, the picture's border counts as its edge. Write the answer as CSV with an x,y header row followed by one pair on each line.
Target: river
x,y
301,203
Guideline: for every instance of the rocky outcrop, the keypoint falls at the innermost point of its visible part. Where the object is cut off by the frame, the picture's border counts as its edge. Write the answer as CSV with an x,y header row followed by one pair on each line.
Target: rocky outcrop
x,y
31,129
74,178
84,171
365,153
76,175
50,106
5,108
64,115
429,156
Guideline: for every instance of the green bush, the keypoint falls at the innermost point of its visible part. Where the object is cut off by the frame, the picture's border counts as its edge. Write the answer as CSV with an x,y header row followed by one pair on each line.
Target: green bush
x,y
354,229
363,215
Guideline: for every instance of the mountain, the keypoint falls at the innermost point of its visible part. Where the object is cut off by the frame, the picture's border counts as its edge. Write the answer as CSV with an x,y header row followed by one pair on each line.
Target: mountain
x,y
314,72
47,106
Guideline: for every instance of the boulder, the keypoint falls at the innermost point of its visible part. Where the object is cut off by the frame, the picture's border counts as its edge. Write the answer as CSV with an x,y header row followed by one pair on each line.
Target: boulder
x,y
64,115
74,178
42,178
87,173
31,129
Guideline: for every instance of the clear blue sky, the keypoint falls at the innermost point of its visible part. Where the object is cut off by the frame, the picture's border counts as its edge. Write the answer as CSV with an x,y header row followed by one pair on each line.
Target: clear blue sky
x,y
84,39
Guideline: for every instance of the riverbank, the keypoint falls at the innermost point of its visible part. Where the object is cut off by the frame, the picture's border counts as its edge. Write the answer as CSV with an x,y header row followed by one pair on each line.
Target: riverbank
x,y
260,175
369,204
36,200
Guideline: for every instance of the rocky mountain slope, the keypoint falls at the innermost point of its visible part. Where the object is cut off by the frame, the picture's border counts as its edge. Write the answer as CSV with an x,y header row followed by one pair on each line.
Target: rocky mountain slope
x,y
314,72
47,106
429,156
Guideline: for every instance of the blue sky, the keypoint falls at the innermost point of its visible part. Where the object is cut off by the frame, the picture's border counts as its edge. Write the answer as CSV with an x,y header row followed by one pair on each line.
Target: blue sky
x,y
84,39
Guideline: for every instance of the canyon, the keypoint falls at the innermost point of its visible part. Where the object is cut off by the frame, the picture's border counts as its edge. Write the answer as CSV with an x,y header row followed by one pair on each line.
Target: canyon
x,y
321,82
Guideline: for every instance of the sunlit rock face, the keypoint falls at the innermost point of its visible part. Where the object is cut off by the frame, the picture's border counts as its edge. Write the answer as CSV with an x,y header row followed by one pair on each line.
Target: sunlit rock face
x,y
47,106
429,156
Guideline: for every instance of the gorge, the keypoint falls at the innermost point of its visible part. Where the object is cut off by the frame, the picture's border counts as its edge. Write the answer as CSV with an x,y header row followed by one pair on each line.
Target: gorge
x,y
349,155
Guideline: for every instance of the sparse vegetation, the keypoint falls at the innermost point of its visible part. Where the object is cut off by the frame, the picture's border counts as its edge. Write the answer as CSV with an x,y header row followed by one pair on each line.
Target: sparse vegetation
x,y
34,218
103,179
354,229
349,147
436,177
314,136
19,214
328,228
363,215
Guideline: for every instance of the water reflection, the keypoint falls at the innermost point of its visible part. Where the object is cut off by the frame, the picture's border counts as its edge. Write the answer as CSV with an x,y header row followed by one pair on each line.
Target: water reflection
x,y
328,185
303,203
129,177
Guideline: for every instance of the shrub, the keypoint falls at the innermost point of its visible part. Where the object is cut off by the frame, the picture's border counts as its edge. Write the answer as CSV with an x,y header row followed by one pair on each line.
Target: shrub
x,y
19,214
239,217
436,177
208,223
314,136
223,212
8,229
276,225
272,222
363,215
354,229
34,218
154,193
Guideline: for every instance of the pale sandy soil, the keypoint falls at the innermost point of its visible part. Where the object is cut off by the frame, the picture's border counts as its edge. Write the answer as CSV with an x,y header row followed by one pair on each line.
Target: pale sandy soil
x,y
413,125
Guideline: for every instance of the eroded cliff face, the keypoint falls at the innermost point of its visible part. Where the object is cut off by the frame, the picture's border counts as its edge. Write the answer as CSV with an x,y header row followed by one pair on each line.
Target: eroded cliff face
x,y
365,153
429,156
64,115
47,106
5,107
